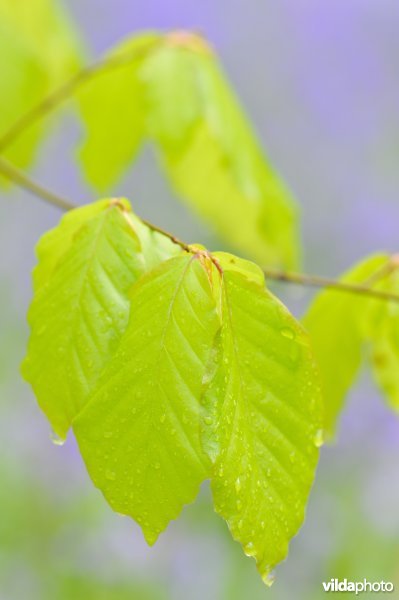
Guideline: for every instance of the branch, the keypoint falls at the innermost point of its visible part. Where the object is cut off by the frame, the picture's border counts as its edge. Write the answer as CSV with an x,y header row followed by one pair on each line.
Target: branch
x,y
324,282
64,92
13,174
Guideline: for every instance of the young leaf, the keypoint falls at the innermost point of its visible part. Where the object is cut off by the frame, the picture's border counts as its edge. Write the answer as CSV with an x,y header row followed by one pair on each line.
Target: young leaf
x,y
247,268
262,420
384,337
211,154
38,51
385,359
113,112
23,84
56,242
140,432
336,322
174,94
80,308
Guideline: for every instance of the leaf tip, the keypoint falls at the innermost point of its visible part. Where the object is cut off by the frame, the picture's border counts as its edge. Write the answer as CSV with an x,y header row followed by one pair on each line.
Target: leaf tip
x,y
268,577
189,40
150,535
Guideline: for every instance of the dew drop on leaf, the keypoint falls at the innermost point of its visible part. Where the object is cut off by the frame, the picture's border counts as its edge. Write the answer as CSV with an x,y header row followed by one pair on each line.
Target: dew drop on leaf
x,y
268,577
250,549
56,439
319,438
288,333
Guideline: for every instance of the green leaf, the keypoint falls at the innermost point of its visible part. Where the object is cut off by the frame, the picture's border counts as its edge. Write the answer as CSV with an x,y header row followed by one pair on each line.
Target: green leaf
x,y
384,338
38,51
113,112
56,242
385,359
140,432
247,268
337,323
212,156
175,95
262,419
81,308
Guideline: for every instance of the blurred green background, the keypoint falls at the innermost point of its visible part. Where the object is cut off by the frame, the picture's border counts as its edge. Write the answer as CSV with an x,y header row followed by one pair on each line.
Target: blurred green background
x,y
320,82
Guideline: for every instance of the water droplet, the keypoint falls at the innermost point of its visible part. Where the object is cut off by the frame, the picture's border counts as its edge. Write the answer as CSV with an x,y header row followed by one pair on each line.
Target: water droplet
x,y
239,505
208,420
249,549
162,418
157,465
238,485
288,333
319,438
56,439
268,577
111,475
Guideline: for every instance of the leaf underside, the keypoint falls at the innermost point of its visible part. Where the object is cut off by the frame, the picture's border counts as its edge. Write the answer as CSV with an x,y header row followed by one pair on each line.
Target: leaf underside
x,y
174,94
340,326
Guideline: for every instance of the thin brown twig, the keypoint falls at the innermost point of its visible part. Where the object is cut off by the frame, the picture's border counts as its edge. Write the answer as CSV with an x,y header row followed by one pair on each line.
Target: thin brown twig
x,y
64,92
172,237
13,174
391,265
324,282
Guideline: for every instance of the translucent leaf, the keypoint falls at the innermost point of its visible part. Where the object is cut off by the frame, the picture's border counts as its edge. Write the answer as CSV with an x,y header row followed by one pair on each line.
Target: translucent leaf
x,y
175,95
337,323
56,242
139,434
385,360
262,419
247,268
212,156
113,112
384,335
24,82
80,308
38,51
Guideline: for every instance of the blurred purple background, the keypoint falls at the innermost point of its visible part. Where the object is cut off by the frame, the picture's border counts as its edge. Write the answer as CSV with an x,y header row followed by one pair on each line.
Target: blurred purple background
x,y
320,81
